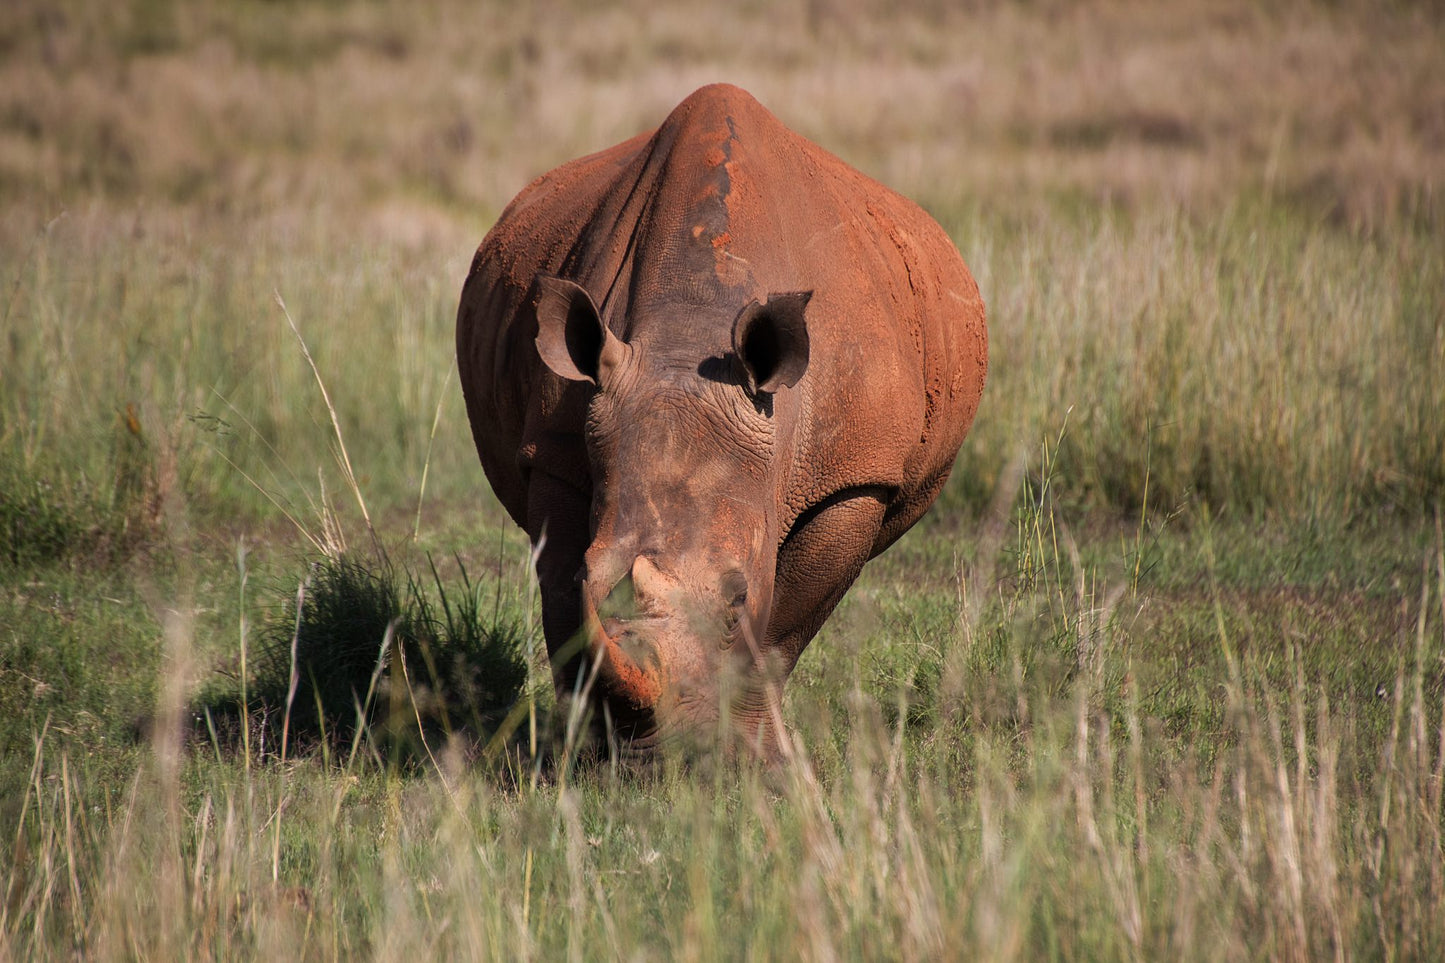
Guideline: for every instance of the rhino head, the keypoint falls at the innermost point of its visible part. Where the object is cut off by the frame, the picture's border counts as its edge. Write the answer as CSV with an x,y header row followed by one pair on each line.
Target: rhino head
x,y
685,455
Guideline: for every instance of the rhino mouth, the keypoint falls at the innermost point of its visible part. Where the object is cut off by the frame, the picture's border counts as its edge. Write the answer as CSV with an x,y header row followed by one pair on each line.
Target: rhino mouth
x,y
689,723
633,734
644,735
657,688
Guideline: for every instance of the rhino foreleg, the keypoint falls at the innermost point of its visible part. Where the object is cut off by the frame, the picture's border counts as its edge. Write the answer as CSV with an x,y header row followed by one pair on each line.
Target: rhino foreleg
x,y
557,516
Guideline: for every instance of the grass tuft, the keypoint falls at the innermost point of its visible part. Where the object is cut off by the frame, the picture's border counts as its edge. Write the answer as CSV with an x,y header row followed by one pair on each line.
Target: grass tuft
x,y
366,646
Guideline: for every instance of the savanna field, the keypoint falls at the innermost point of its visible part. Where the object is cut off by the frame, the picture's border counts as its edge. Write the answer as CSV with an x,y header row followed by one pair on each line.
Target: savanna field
x,y
1160,676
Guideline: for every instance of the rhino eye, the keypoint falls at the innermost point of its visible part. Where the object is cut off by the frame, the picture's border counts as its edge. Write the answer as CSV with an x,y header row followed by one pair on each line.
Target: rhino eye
x,y
735,588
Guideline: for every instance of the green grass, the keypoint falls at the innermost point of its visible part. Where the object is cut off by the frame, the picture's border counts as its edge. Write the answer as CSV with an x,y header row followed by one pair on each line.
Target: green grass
x,y
197,353
1159,677
1069,773
365,647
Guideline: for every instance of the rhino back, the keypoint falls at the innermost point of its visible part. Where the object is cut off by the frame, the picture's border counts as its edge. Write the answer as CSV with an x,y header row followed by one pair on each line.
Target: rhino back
x,y
672,232
899,349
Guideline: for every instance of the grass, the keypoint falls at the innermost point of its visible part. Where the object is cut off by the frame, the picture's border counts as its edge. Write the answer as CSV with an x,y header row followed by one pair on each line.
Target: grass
x,y
362,649
1040,795
1160,676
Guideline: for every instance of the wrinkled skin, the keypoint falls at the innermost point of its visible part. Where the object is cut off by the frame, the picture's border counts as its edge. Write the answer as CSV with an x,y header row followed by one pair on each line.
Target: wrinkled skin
x,y
711,371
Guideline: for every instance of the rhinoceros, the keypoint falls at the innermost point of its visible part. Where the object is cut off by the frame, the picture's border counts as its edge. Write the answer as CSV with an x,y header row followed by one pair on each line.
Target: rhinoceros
x,y
711,371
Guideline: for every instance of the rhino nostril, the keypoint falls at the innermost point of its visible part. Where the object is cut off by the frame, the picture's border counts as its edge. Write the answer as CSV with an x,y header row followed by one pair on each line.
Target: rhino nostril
x,y
637,648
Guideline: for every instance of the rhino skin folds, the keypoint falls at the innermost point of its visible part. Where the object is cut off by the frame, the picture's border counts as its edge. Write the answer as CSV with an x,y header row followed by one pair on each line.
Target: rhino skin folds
x,y
711,371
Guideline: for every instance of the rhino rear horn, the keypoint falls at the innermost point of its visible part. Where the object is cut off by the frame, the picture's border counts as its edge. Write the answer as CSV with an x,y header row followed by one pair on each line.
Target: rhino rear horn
x,y
571,337
771,341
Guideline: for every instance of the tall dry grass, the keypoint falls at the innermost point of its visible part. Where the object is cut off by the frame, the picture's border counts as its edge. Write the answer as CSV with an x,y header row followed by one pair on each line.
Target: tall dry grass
x,y
398,118
1014,823
1240,361
1251,361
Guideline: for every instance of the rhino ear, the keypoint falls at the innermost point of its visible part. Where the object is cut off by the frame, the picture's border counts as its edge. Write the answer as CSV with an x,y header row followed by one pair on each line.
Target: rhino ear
x,y
571,337
771,342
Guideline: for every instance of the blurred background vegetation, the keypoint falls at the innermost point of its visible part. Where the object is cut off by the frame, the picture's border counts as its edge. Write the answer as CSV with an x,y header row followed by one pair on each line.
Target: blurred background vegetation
x,y
1211,231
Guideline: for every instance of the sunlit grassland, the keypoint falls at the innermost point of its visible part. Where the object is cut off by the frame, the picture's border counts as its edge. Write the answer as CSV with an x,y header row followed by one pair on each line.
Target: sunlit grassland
x,y
1004,772
1251,361
1160,676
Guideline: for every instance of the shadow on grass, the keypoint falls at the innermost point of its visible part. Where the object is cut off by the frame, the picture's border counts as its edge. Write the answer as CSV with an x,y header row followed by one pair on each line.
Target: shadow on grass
x,y
370,655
